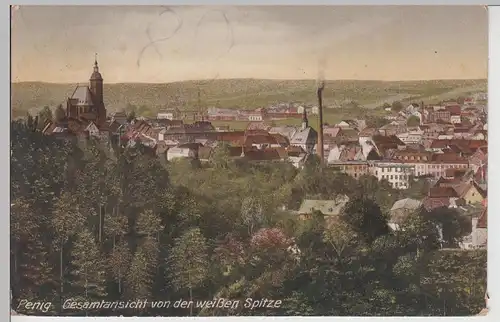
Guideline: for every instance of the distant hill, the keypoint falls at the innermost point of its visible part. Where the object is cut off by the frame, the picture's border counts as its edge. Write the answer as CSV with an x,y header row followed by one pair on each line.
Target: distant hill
x,y
244,93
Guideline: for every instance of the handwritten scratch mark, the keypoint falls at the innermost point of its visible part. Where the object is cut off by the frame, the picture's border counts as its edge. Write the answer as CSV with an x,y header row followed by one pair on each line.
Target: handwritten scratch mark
x,y
153,42
229,30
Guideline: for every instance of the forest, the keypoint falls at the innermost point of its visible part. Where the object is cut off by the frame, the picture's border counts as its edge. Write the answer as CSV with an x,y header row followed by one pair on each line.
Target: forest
x,y
91,222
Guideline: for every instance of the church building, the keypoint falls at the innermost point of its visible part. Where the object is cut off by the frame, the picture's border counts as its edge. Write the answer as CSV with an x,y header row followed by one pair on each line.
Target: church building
x,y
87,101
85,111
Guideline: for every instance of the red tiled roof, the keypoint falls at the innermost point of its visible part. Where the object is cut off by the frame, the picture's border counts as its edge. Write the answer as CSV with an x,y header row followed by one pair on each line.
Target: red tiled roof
x,y
442,192
280,139
433,203
447,157
263,155
455,173
454,109
260,139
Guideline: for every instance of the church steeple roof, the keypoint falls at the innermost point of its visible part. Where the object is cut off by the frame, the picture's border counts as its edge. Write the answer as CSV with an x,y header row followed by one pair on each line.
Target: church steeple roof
x,y
96,75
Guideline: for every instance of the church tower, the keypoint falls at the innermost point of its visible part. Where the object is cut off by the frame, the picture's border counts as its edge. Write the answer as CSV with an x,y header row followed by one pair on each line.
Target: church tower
x,y
96,88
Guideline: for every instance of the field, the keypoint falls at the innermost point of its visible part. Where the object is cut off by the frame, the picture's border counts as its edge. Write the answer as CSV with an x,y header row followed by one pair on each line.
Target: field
x,y
244,93
330,116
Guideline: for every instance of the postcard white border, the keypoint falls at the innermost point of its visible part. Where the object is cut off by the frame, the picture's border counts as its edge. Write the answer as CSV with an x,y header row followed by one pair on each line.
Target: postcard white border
x,y
494,156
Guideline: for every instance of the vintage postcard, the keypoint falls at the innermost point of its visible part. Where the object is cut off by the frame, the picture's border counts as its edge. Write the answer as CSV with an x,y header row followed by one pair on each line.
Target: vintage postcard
x,y
253,160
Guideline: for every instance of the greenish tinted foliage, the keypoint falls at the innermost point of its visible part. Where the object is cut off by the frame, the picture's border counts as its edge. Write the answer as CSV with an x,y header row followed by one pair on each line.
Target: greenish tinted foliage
x,y
95,224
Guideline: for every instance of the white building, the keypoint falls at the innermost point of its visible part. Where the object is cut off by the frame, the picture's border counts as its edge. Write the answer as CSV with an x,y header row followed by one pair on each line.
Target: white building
x,y
478,238
255,117
411,137
175,153
168,114
455,119
397,174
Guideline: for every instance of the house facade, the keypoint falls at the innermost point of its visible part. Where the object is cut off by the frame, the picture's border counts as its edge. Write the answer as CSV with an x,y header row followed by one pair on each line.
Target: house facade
x,y
396,173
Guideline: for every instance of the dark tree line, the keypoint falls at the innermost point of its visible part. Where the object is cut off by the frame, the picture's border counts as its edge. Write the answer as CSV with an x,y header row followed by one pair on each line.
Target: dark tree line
x,y
92,222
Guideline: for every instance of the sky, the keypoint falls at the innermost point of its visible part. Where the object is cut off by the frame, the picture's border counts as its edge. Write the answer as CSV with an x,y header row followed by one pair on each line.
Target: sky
x,y
159,44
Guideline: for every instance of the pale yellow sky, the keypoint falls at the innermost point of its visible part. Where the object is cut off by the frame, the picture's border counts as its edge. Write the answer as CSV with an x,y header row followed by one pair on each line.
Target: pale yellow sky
x,y
57,44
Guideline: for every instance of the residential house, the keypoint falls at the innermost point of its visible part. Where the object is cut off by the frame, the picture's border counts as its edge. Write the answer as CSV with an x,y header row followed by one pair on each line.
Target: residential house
x,y
436,115
346,124
392,128
385,145
306,137
216,114
119,116
478,237
331,130
261,141
357,125
411,137
428,163
256,116
184,152
478,158
367,134
297,158
286,130
331,209
169,114
455,113
401,210
352,158
440,197
396,173
470,192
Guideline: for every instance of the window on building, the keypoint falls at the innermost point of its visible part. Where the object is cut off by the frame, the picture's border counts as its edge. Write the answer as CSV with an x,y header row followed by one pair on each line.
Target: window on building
x,y
392,177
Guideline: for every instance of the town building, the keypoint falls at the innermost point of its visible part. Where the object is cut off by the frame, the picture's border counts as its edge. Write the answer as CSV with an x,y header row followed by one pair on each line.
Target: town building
x,y
306,137
87,101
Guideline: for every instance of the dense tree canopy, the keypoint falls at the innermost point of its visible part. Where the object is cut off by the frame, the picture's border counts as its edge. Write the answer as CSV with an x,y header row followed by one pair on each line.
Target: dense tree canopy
x,y
96,223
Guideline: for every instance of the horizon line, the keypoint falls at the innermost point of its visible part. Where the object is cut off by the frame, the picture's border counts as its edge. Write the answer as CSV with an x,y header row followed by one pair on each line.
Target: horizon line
x,y
266,79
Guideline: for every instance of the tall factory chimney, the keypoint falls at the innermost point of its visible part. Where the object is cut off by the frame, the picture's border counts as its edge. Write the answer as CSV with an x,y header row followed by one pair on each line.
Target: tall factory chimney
x,y
321,147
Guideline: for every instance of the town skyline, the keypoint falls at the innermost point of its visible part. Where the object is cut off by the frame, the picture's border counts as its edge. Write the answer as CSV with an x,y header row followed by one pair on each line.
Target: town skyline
x,y
307,42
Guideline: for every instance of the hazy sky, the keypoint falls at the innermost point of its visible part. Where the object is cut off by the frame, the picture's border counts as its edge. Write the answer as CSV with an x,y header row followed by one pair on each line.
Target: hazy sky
x,y
57,44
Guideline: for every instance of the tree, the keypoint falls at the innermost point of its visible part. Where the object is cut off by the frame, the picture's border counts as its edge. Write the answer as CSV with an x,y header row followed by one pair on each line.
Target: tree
x,y
131,116
397,106
413,120
149,224
139,280
188,262
453,224
376,122
119,261
418,233
89,274
252,213
45,115
220,156
365,218
59,114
